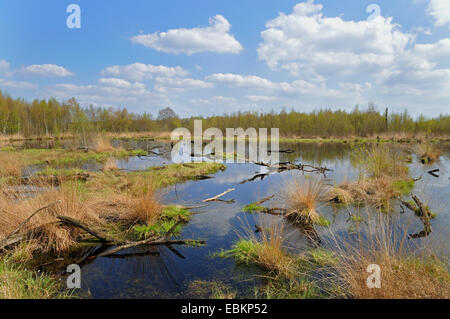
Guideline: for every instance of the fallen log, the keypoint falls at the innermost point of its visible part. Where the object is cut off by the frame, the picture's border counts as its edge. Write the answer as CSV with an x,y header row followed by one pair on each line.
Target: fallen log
x,y
433,171
265,199
151,242
16,230
288,151
261,176
73,222
202,177
218,196
421,211
287,166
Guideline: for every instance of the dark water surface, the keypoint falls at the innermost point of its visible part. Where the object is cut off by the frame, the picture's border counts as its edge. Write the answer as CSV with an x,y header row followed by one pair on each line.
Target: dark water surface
x,y
170,275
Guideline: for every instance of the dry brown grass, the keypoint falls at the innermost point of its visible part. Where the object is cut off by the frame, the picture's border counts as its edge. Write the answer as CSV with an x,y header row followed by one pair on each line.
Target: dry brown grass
x,y
110,165
404,275
157,135
381,170
266,249
139,203
302,197
271,254
11,164
102,144
374,192
145,207
428,153
44,230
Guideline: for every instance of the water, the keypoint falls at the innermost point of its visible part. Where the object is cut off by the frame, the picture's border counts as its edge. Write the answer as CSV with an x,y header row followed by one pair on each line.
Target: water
x,y
158,272
220,224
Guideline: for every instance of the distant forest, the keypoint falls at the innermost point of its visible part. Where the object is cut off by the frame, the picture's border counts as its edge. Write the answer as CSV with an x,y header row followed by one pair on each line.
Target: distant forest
x,y
51,117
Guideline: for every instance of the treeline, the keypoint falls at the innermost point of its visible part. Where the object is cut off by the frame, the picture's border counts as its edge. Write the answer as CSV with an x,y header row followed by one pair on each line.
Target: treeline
x,y
51,117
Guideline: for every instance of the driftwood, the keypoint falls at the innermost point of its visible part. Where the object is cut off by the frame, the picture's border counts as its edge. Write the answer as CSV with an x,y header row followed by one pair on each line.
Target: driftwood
x,y
421,211
155,240
276,211
265,199
215,198
433,171
188,207
260,176
202,177
287,166
288,151
73,222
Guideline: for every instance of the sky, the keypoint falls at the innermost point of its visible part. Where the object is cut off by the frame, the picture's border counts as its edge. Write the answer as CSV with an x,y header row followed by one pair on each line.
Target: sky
x,y
212,57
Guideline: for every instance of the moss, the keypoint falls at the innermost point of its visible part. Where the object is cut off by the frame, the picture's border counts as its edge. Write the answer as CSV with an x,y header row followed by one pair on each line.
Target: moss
x,y
323,257
323,221
176,173
210,290
300,288
102,157
59,172
176,212
251,208
169,217
160,228
404,187
245,251
357,218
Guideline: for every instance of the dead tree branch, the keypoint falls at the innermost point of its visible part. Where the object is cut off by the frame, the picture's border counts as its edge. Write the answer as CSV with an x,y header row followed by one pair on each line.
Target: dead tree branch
x,y
2,244
218,196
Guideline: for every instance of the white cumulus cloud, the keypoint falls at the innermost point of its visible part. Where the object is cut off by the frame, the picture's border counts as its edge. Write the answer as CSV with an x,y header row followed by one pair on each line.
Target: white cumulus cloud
x,y
183,83
141,71
4,68
314,46
440,10
46,70
214,38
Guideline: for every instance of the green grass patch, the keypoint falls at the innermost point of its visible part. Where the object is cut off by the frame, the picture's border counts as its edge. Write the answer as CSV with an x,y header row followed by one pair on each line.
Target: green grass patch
x,y
300,288
323,221
323,257
244,251
169,217
16,282
59,172
357,218
404,187
252,208
175,212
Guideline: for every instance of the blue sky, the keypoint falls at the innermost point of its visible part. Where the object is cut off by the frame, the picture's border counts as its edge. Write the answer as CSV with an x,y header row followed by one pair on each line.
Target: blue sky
x,y
214,57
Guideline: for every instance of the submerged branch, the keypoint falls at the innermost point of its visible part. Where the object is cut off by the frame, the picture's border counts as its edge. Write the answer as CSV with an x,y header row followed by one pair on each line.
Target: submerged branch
x,y
215,198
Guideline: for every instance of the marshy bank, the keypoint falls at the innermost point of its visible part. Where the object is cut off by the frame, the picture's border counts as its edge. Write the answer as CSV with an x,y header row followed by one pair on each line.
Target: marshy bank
x,y
127,191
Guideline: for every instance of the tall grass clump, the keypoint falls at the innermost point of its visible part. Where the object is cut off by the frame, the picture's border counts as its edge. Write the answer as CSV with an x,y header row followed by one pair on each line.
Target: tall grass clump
x,y
144,204
428,153
11,164
110,165
302,197
383,175
102,144
43,230
404,274
16,282
265,250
